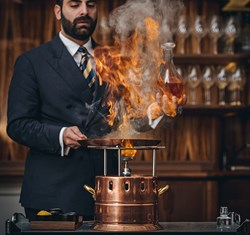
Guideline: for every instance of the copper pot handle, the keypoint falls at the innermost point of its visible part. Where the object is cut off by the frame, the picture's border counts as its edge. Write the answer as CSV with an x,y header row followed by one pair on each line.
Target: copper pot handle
x,y
90,190
163,190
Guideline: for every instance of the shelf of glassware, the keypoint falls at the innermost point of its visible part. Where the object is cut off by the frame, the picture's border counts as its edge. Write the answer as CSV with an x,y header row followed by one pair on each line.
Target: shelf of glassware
x,y
211,59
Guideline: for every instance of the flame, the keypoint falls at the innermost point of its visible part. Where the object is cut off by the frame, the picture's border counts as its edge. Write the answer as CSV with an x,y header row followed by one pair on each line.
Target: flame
x,y
130,71
128,152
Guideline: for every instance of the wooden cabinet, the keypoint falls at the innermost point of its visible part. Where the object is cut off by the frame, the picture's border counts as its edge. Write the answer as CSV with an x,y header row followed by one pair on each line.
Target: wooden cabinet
x,y
234,192
190,199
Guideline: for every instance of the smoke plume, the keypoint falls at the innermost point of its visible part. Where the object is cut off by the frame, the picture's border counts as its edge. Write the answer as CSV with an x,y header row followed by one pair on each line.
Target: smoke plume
x,y
131,67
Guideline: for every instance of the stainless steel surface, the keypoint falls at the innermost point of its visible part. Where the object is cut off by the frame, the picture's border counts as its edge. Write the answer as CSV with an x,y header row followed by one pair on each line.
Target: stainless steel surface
x,y
119,162
154,156
105,162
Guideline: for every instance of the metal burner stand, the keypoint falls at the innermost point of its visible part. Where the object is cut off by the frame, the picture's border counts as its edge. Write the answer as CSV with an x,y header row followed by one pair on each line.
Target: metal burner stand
x,y
126,203
120,148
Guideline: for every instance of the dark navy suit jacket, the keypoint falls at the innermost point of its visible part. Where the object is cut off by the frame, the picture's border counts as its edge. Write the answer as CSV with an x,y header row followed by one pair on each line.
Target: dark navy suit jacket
x,y
48,92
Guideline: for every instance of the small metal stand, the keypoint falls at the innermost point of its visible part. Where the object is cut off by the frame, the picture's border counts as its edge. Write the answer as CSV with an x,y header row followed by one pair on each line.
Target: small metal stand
x,y
127,170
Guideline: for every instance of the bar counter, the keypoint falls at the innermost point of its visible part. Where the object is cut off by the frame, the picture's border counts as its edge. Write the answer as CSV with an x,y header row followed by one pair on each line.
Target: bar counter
x,y
168,228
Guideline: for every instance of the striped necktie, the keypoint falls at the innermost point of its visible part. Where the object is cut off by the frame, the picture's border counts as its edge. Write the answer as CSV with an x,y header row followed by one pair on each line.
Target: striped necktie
x,y
86,68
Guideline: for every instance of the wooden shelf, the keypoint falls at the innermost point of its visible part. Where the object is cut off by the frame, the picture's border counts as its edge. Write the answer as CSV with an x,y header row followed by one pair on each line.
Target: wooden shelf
x,y
225,110
220,59
187,171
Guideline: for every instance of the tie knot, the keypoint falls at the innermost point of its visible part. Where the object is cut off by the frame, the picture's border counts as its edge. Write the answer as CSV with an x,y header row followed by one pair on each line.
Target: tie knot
x,y
82,50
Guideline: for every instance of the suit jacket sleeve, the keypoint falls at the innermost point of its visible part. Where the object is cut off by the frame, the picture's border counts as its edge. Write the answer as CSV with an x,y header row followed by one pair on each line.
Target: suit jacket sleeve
x,y
24,124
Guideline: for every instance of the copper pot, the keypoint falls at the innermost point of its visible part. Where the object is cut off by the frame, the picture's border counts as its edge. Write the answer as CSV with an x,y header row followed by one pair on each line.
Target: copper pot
x,y
126,203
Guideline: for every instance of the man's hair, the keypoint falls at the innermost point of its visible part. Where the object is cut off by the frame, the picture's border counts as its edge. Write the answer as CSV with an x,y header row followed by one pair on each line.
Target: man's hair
x,y
59,2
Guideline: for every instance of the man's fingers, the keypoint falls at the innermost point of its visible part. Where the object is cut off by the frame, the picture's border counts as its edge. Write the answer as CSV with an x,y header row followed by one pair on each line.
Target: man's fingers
x,y
71,136
169,106
77,132
158,98
184,100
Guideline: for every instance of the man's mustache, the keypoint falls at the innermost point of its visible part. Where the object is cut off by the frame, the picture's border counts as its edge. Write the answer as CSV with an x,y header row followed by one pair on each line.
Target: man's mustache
x,y
83,18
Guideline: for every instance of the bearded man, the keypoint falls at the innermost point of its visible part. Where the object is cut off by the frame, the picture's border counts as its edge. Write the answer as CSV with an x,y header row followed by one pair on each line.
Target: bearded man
x,y
55,101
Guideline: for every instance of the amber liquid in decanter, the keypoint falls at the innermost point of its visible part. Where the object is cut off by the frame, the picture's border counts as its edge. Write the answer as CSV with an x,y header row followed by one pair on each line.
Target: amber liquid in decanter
x,y
173,80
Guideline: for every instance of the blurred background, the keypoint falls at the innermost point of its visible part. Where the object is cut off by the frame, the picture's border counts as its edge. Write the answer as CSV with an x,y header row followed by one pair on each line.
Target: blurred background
x,y
206,161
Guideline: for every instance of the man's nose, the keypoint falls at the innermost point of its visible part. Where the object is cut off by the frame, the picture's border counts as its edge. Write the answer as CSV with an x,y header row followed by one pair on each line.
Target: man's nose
x,y
83,9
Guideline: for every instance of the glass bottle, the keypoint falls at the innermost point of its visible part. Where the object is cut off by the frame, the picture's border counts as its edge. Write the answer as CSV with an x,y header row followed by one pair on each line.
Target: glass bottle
x,y
224,220
207,81
244,38
173,80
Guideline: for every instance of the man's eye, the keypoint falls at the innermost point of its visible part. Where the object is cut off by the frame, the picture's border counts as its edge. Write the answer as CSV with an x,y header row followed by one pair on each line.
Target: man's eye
x,y
74,5
91,4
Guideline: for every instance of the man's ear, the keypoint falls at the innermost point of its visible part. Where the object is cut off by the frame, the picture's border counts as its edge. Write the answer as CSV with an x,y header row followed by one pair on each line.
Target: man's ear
x,y
57,11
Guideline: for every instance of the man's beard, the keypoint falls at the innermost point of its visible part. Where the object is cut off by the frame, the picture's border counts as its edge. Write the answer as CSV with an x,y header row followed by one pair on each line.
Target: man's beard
x,y
70,28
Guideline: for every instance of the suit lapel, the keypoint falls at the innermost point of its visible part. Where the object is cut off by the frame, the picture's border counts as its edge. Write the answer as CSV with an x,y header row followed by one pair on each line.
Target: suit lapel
x,y
68,70
65,66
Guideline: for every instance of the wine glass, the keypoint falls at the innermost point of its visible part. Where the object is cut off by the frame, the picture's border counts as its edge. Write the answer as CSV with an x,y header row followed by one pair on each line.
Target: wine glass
x,y
207,78
231,31
214,32
221,80
182,71
199,30
182,32
237,81
193,81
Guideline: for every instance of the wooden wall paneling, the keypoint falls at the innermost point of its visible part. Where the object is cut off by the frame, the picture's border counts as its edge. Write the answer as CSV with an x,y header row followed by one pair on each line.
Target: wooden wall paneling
x,y
51,25
192,11
216,140
211,202
4,16
247,86
235,194
181,155
209,8
6,147
247,131
187,200
188,139
234,138
102,32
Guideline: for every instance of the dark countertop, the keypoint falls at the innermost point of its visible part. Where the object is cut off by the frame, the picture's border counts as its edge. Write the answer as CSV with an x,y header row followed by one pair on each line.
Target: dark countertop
x,y
168,228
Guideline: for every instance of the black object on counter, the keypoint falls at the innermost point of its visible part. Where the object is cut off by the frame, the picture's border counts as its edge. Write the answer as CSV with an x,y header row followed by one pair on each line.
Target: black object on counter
x,y
244,227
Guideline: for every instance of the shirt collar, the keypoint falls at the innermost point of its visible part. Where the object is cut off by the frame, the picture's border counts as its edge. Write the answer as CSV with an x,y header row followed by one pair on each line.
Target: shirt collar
x,y
72,47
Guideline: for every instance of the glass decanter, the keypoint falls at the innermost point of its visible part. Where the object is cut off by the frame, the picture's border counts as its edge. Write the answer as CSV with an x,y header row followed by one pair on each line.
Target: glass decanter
x,y
173,80
224,220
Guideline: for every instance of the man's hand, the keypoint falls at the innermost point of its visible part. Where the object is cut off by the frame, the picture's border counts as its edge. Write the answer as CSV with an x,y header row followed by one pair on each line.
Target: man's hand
x,y
166,106
71,136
